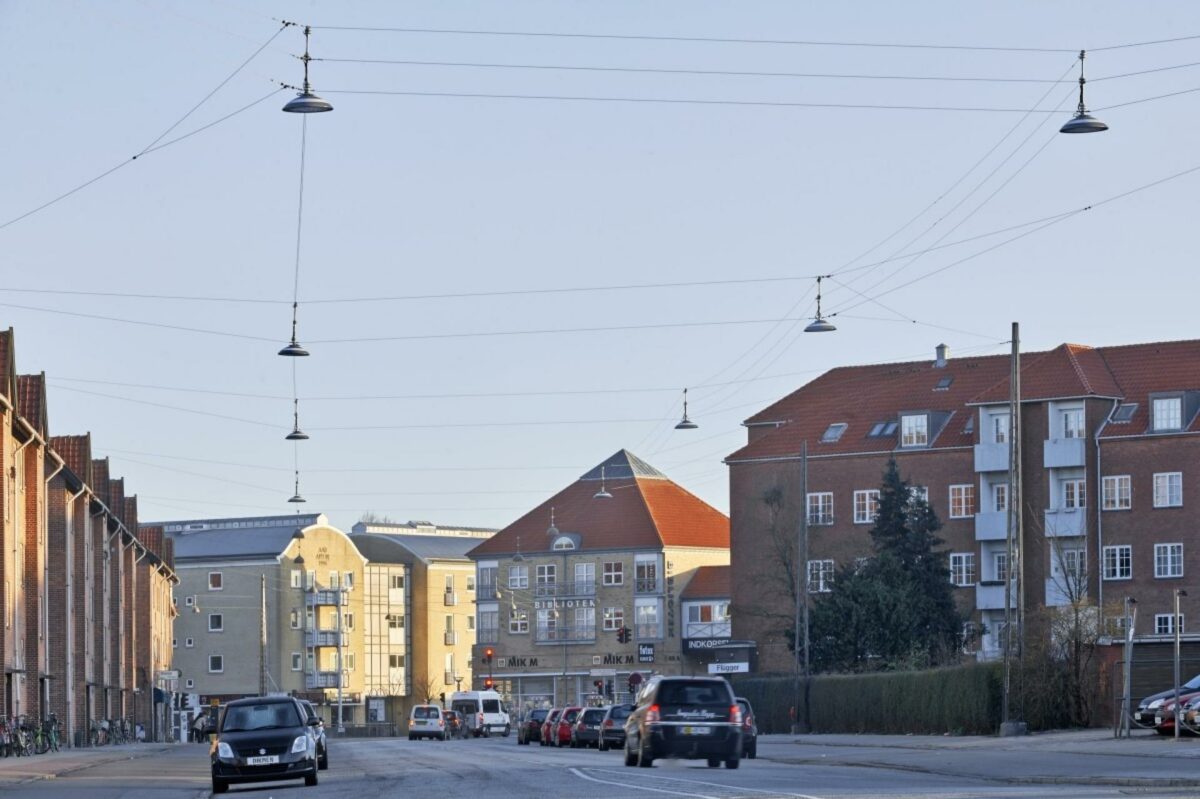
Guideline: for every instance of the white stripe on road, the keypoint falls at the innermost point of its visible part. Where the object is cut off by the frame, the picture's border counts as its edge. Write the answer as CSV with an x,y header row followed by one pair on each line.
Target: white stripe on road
x,y
583,776
714,784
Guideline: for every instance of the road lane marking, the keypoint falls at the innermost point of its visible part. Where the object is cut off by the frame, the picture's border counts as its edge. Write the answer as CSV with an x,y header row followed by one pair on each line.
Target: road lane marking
x,y
714,784
583,776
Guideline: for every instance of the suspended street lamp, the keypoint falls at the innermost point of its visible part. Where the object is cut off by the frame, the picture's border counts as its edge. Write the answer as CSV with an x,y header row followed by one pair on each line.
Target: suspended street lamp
x,y
1082,122
603,492
685,423
296,497
297,434
819,324
306,102
551,530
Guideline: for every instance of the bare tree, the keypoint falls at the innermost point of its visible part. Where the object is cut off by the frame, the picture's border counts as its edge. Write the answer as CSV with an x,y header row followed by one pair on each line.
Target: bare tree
x,y
424,689
371,517
775,575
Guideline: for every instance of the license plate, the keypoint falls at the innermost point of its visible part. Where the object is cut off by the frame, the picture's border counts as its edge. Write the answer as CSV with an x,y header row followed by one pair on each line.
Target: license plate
x,y
1158,719
696,730
262,760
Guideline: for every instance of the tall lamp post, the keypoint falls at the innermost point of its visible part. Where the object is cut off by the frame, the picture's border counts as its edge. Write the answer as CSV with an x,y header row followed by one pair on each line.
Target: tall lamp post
x,y
1130,626
801,599
1179,592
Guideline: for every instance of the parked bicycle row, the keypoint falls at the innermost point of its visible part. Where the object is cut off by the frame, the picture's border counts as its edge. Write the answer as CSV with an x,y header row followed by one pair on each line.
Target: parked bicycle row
x,y
22,737
114,731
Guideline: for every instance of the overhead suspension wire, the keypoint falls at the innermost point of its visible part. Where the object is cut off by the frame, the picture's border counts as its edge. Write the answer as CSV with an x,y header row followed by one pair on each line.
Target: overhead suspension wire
x,y
155,145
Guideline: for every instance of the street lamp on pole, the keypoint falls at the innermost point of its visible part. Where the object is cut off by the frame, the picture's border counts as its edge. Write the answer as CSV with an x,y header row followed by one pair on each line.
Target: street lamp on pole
x,y
1179,592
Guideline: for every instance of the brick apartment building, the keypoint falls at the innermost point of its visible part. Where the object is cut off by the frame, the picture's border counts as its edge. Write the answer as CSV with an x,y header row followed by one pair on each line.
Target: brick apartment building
x,y
86,603
1110,477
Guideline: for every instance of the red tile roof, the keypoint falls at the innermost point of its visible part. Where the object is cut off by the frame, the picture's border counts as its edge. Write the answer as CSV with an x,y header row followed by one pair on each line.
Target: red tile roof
x,y
644,512
709,582
76,451
31,400
8,365
100,479
861,396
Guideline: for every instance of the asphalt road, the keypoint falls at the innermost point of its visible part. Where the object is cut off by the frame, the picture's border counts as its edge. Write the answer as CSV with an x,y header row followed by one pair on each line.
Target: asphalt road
x,y
497,768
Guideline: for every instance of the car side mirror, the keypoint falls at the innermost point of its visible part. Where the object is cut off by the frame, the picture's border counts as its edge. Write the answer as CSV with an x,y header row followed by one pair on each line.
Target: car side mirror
x,y
314,722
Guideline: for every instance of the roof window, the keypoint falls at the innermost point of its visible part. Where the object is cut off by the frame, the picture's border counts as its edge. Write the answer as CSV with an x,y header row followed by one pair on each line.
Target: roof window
x,y
1124,412
881,429
944,383
563,543
833,432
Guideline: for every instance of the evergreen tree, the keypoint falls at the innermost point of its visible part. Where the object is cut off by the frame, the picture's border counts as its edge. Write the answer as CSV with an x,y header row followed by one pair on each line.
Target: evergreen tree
x,y
897,610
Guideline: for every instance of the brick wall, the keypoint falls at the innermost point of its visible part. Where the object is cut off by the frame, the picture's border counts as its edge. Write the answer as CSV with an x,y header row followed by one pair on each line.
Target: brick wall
x,y
60,620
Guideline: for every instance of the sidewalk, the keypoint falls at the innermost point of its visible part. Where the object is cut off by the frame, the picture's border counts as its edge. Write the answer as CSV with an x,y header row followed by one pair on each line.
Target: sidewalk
x,y
1142,743
16,770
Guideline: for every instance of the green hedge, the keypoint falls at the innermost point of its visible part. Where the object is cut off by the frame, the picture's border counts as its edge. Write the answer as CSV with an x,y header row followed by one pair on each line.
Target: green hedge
x,y
958,700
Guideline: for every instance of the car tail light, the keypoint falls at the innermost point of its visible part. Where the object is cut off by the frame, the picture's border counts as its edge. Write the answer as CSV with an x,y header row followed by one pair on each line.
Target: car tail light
x,y
748,722
735,714
608,724
579,725
652,714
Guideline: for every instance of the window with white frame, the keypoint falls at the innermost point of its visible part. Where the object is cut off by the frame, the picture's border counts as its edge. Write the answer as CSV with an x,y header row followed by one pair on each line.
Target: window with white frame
x,y
333,578
1168,560
470,582
216,622
1000,497
563,543
396,661
614,618
1167,413
1072,566
1074,493
547,624
820,508
397,581
297,578
1118,562
518,576
215,581
866,506
348,581
820,576
585,578
189,601
999,427
1117,493
189,683
962,568
297,661
914,430
547,575
518,621
489,625
310,579
1072,423
174,643
1164,624
1000,566
216,664
295,618
395,621
585,623
646,618
962,501
1168,489
614,573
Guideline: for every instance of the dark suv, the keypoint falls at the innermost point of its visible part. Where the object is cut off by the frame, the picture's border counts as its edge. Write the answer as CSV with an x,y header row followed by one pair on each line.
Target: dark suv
x,y
696,718
263,739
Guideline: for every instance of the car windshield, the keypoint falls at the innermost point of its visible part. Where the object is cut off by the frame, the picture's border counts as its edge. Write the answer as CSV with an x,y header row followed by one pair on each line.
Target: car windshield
x,y
265,716
538,715
1193,684
678,692
426,713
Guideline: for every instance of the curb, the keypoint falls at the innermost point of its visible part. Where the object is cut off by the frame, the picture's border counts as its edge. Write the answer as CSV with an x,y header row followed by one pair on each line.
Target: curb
x,y
142,750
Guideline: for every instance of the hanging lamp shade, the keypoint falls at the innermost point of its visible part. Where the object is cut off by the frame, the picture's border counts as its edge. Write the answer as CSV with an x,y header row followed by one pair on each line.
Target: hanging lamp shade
x,y
685,423
296,435
1082,122
307,103
299,534
293,349
297,498
819,325
603,492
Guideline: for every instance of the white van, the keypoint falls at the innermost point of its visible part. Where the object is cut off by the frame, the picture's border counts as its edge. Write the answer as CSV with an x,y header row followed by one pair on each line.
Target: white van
x,y
483,711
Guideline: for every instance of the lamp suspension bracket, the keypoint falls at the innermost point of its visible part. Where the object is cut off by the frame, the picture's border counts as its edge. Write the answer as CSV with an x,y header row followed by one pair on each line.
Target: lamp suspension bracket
x,y
1082,122
685,423
819,324
306,102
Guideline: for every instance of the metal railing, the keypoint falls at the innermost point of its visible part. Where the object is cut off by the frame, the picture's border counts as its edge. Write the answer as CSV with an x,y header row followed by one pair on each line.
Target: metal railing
x,y
486,592
648,631
573,588
325,638
326,597
647,585
321,679
712,629
450,598
487,635
547,635
451,638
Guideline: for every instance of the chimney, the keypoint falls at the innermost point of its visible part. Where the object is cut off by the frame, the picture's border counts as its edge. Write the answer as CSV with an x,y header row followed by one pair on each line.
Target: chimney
x,y
942,351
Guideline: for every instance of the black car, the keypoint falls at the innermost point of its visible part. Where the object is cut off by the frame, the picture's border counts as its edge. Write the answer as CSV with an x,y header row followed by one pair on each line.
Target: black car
x,y
585,732
749,729
530,729
612,727
696,718
263,739
318,733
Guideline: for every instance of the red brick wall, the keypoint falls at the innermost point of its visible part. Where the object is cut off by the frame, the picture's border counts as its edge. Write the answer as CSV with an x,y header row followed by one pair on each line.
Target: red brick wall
x,y
59,621
35,551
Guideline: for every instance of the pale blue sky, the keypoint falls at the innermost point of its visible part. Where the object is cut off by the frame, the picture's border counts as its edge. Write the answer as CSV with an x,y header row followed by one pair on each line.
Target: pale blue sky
x,y
428,195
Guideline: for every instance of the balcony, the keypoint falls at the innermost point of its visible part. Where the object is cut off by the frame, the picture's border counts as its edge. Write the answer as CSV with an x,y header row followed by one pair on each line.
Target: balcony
x,y
991,457
321,679
1059,591
567,589
326,597
315,638
450,599
989,595
1064,453
648,632
991,526
487,592
714,629
448,678
565,635
450,638
1066,522
647,585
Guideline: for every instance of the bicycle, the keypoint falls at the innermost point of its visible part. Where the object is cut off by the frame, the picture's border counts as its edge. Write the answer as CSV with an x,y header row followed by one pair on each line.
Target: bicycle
x,y
99,733
22,744
40,743
52,732
5,738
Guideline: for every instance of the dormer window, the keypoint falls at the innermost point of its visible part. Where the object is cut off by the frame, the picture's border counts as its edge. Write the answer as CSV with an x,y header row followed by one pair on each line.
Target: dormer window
x,y
914,430
562,544
1125,412
833,432
1167,413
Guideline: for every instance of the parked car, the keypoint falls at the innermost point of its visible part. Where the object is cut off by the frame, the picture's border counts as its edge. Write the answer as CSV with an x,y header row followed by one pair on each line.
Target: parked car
x,y
318,733
550,724
1148,707
562,734
530,728
749,729
1164,716
612,728
425,721
586,730
484,712
696,718
456,725
263,739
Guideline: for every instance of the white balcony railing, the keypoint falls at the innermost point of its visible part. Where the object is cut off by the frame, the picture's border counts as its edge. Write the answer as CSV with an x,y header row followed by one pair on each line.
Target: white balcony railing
x,y
1066,522
991,457
1064,453
450,598
451,638
991,526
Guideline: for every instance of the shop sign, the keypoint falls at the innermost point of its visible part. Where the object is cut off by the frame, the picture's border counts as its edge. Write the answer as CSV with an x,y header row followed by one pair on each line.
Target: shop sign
x,y
645,653
555,604
728,668
700,644
513,662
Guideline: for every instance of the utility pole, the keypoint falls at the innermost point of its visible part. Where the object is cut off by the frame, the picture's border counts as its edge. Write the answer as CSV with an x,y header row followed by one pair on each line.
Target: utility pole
x,y
1179,592
262,638
337,597
1126,698
1014,539
801,570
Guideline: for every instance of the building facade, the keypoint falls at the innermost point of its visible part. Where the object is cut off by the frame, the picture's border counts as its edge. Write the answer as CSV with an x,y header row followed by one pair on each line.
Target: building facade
x,y
583,592
1109,457
79,623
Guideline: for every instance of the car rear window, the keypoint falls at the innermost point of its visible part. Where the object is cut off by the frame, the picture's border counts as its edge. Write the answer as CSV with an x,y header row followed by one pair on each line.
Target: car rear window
x,y
570,715
426,713
593,716
491,706
261,716
681,692
538,715
620,712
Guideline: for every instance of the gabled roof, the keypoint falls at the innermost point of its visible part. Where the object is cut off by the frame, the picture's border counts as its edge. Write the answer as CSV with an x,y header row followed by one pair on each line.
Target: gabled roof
x,y
8,366
646,511
709,582
1146,369
31,401
1068,370
390,548
243,538
76,451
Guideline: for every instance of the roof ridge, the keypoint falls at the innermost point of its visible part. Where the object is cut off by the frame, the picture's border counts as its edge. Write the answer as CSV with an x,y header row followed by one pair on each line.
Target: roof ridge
x,y
1087,386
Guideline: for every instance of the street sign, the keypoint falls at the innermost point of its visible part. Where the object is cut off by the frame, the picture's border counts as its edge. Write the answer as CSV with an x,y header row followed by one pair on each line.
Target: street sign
x,y
728,668
635,678
604,672
172,674
645,653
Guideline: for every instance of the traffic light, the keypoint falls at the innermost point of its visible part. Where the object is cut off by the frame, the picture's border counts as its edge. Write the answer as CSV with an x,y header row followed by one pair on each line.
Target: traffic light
x,y
623,635
488,683
443,696
599,686
488,654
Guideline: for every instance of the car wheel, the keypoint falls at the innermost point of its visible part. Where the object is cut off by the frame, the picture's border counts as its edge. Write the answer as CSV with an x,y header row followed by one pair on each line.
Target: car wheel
x,y
645,760
323,761
714,762
412,737
219,786
754,750
630,758
507,730
733,762
310,780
